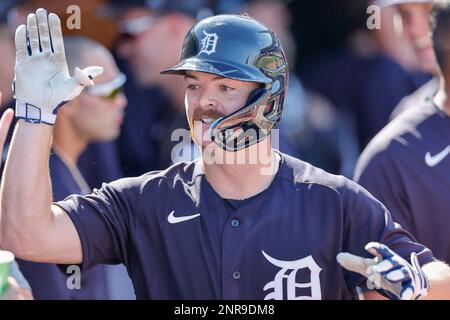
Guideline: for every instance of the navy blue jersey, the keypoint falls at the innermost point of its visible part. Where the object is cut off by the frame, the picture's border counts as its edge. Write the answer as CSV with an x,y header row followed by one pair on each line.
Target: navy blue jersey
x,y
47,280
180,240
407,167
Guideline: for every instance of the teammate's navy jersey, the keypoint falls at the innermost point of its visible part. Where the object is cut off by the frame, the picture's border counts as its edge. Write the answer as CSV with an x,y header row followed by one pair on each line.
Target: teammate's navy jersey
x,y
407,167
180,240
47,280
421,96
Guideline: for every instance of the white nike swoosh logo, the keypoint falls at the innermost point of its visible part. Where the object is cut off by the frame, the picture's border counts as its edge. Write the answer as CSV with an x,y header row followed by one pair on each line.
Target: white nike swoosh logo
x,y
172,219
431,161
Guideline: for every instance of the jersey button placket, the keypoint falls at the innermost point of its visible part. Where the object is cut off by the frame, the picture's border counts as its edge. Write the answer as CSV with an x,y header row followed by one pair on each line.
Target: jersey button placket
x,y
233,238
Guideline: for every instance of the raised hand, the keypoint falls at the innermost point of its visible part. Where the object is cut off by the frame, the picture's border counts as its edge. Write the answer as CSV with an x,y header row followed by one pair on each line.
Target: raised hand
x,y
42,82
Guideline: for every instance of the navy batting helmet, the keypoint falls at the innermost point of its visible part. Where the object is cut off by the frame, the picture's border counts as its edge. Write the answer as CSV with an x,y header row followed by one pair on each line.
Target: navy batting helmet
x,y
241,48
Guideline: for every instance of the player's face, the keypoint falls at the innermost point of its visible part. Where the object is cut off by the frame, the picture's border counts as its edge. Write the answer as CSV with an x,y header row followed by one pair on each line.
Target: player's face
x,y
209,97
99,117
416,26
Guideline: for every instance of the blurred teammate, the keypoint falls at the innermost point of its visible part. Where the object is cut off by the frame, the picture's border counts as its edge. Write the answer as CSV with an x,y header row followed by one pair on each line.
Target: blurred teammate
x,y
150,34
407,165
416,28
235,224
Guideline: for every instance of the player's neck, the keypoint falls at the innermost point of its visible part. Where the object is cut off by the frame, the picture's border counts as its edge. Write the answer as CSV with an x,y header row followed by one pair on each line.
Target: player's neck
x,y
442,97
243,179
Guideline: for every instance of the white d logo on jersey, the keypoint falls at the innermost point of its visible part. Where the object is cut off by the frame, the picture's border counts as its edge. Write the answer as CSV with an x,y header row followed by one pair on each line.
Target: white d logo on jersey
x,y
208,43
286,277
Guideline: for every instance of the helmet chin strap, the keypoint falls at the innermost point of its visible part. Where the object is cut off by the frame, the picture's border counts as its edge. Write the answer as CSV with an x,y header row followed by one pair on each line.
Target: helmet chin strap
x,y
244,127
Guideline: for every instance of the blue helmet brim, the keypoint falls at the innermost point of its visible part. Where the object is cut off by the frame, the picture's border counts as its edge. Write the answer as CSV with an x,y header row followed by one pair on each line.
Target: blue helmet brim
x,y
220,68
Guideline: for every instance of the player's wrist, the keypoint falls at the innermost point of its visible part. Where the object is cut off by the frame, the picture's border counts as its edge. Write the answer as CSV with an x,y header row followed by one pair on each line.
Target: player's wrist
x,y
34,114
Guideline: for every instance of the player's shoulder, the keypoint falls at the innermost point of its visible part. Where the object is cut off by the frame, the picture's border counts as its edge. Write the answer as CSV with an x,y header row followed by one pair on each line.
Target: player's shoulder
x,y
300,172
395,140
184,172
421,95
346,195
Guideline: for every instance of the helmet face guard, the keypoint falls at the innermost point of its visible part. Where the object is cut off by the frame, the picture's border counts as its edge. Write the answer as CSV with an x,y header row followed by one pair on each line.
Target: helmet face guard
x,y
243,127
240,48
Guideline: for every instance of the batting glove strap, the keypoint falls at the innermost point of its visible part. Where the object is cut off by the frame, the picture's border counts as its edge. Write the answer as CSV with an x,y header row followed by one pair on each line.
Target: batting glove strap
x,y
34,114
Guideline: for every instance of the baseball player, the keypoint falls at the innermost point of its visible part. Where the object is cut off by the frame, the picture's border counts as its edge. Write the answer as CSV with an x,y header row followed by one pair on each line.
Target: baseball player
x,y
416,28
415,14
407,165
270,228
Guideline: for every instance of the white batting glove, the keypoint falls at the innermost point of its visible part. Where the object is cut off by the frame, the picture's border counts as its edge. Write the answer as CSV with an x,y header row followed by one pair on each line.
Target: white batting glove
x,y
391,274
42,82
